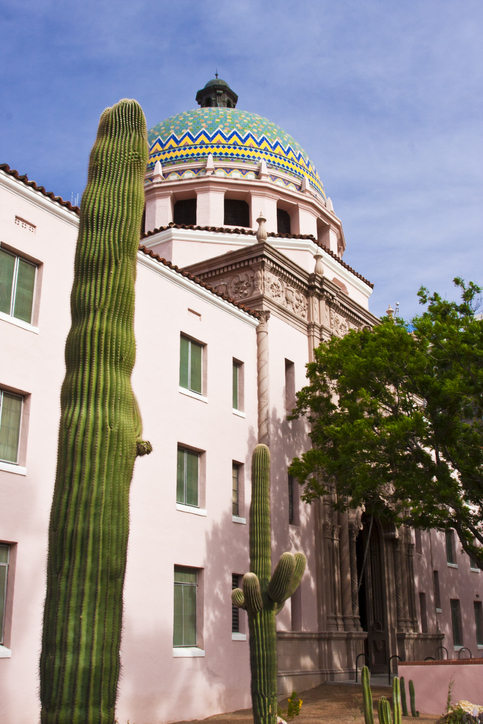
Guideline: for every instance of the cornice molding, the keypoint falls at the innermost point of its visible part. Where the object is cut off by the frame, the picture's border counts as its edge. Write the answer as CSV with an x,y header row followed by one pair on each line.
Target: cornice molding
x,y
19,188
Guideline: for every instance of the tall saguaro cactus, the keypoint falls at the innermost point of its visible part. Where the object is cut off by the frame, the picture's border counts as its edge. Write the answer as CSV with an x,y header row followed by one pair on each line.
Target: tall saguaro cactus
x,y
99,435
263,596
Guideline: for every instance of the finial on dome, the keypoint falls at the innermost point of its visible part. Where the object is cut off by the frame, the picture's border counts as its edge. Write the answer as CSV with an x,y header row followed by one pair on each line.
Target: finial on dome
x,y
216,94
390,312
158,171
263,170
261,231
210,165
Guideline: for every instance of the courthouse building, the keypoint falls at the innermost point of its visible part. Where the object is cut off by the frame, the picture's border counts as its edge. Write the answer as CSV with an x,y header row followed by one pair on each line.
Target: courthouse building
x,y
241,274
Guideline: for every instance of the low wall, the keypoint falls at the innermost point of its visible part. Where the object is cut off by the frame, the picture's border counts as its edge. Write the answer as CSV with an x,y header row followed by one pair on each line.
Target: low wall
x,y
432,678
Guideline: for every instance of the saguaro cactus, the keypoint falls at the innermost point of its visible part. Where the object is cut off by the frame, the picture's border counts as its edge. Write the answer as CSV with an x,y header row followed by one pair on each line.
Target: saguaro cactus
x,y
367,696
264,596
99,435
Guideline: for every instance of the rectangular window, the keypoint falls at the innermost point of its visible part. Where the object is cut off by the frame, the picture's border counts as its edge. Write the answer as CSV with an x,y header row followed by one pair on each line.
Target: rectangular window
x,y
191,365
423,612
237,385
185,595
478,622
437,594
235,489
418,540
449,538
289,385
10,422
290,500
187,477
235,611
17,284
456,622
4,560
293,501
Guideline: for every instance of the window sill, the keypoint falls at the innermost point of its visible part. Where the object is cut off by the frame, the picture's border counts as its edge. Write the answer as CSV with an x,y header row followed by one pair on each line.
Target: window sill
x,y
12,468
439,610
194,395
240,636
190,652
457,648
18,323
452,565
479,647
238,413
5,653
236,519
475,570
191,509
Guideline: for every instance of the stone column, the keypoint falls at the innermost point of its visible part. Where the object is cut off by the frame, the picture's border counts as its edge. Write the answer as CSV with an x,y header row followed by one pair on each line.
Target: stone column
x,y
345,572
353,533
401,623
263,378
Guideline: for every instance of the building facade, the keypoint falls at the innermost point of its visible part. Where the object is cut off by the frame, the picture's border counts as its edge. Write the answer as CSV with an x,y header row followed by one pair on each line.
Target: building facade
x,y
240,276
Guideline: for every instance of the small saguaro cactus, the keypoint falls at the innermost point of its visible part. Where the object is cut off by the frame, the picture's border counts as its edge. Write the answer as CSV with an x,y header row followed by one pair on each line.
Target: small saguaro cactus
x,y
412,698
367,697
403,697
263,596
396,701
384,711
99,436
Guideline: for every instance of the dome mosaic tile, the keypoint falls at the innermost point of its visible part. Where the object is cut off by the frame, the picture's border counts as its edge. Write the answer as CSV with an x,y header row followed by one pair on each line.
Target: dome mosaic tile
x,y
233,135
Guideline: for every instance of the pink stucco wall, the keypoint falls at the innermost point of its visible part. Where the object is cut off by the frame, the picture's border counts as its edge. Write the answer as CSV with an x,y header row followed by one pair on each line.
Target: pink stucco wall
x,y
432,678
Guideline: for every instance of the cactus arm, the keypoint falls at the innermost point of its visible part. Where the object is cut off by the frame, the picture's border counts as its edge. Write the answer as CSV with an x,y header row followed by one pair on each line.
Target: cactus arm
x,y
396,700
384,711
404,705
279,607
89,523
367,696
281,578
252,593
237,598
300,564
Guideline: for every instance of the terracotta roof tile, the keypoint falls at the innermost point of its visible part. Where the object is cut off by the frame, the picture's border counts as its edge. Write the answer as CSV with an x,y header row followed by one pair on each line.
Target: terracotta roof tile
x,y
24,178
250,232
198,281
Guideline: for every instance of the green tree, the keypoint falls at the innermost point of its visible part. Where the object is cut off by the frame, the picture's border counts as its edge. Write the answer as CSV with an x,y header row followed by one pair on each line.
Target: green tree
x,y
396,417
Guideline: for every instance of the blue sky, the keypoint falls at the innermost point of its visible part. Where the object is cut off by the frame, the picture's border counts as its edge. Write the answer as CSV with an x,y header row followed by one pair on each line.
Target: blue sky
x,y
384,95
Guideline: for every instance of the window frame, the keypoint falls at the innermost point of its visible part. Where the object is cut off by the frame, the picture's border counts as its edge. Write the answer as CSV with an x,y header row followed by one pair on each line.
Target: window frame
x,y
188,388
10,315
4,462
450,548
437,592
456,626
5,625
186,588
238,386
290,397
239,516
186,453
4,593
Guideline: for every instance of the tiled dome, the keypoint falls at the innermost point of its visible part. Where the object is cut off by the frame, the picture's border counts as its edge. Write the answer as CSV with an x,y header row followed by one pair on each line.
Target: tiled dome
x,y
233,135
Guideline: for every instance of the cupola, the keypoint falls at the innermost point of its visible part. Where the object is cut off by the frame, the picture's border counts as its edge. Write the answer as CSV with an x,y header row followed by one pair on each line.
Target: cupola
x,y
216,94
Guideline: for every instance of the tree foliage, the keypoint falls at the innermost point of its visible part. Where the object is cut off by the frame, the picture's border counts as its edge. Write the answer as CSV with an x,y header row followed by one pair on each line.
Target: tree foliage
x,y
396,417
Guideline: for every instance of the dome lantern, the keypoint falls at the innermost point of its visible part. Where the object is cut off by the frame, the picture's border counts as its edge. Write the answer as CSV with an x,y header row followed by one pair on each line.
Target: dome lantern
x,y
216,94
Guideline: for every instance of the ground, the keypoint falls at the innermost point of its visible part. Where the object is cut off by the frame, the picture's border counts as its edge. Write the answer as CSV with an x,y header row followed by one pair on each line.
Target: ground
x,y
327,703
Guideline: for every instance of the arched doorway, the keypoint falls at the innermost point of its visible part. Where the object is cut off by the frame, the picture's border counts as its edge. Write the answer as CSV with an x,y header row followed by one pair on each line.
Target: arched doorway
x,y
372,593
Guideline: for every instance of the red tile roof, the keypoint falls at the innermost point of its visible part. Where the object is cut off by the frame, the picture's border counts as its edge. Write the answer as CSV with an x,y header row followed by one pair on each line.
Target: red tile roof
x,y
24,178
198,281
250,232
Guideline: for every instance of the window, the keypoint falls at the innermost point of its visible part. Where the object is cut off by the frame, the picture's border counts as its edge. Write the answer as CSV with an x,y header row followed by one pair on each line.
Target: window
x,y
478,622
187,477
235,611
423,612
237,213
296,610
283,222
238,385
185,595
450,557
184,212
191,365
4,560
418,540
235,489
10,420
437,594
289,385
17,283
456,622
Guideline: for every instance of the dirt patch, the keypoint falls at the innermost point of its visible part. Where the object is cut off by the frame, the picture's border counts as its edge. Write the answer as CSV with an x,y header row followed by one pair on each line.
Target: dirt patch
x,y
327,703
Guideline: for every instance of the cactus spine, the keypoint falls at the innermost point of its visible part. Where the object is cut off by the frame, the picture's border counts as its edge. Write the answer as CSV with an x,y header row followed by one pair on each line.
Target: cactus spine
x,y
99,436
412,697
404,704
367,696
263,597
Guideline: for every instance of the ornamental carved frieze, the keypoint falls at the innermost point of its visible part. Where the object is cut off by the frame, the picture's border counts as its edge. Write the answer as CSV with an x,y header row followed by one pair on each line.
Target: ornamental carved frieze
x,y
244,285
340,322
